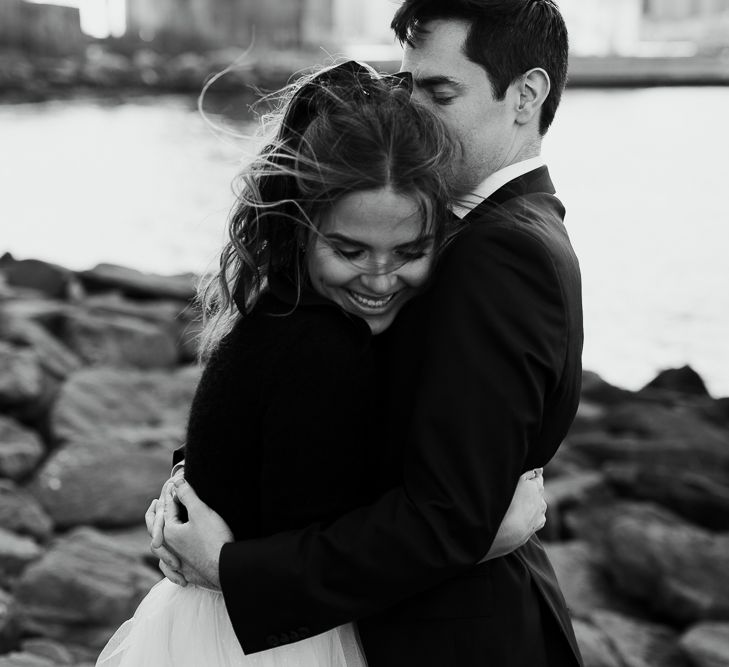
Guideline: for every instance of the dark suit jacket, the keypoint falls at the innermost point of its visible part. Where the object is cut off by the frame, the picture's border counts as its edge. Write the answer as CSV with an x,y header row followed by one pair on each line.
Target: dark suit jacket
x,y
485,372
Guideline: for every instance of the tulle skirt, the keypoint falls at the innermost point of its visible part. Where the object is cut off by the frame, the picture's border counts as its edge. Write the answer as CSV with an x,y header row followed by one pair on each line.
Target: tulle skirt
x,y
189,627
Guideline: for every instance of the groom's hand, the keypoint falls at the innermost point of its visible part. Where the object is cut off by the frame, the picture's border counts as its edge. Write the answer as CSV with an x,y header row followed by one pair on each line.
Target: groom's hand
x,y
197,541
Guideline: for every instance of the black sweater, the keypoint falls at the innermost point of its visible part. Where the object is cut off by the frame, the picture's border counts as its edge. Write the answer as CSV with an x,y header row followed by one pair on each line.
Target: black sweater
x,y
283,429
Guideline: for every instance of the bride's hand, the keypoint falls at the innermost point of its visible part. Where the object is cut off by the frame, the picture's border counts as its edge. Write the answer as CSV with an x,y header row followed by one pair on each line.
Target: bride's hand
x,y
526,515
169,563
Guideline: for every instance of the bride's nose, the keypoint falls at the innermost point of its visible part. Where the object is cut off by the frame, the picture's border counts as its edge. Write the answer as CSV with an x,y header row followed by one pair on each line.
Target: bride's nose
x,y
378,283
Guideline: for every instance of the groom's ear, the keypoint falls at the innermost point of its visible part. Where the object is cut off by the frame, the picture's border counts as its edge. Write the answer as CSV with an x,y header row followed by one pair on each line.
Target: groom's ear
x,y
532,88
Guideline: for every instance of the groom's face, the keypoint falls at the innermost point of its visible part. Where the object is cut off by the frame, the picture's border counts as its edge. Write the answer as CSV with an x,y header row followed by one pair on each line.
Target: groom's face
x,y
459,91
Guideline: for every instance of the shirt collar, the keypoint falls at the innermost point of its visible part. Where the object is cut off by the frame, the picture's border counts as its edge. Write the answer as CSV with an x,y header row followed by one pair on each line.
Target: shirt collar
x,y
492,183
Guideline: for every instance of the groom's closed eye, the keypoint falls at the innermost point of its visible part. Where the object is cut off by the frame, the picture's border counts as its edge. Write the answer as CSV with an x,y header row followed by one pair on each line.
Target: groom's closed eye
x,y
442,90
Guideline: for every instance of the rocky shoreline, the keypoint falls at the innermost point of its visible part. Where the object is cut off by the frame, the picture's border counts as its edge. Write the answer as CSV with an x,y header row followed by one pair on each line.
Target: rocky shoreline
x,y
97,370
101,71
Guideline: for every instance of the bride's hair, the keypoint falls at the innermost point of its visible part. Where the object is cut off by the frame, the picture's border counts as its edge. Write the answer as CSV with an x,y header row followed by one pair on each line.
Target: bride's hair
x,y
344,129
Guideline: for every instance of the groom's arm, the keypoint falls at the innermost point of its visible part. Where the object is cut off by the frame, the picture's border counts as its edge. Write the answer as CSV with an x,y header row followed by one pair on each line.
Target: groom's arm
x,y
495,347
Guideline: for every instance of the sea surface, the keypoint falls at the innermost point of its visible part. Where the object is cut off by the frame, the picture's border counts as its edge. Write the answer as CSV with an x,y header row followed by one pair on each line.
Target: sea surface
x,y
146,182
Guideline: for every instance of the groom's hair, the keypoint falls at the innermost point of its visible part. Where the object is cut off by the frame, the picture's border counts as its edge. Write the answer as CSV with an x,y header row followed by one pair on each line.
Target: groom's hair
x,y
505,37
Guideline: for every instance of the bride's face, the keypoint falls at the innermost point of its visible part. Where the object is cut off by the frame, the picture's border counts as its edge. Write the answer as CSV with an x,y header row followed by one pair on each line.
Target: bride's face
x,y
370,255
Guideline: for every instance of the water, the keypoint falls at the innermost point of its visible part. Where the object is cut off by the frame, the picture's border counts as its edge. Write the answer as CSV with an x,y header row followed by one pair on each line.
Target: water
x,y
643,173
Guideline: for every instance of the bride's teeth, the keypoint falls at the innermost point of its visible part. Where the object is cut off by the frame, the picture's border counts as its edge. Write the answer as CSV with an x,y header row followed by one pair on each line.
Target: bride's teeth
x,y
369,302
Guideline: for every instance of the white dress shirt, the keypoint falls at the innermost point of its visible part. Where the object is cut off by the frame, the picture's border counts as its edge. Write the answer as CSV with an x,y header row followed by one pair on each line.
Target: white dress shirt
x,y
493,182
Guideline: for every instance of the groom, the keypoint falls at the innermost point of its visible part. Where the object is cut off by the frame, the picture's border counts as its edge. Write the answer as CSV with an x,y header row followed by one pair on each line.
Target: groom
x,y
484,377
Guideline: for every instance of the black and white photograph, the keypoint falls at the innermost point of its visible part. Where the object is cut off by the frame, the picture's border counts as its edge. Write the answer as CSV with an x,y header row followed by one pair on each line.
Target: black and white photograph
x,y
364,334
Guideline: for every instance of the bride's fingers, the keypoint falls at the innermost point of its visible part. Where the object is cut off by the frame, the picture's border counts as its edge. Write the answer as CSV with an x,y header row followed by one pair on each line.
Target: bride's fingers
x,y
173,575
149,516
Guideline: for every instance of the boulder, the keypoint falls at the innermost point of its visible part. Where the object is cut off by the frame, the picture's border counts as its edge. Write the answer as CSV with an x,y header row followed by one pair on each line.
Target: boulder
x,y
114,340
137,284
81,590
20,449
700,496
584,580
562,493
21,513
8,626
84,483
684,380
661,422
675,568
596,648
21,377
16,553
597,390
640,643
24,659
135,541
181,320
707,644
589,416
108,405
59,653
51,280
679,453
54,357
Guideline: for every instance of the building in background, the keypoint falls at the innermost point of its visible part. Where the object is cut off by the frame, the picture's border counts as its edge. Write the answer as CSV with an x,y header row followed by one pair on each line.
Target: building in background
x,y
218,23
358,29
42,29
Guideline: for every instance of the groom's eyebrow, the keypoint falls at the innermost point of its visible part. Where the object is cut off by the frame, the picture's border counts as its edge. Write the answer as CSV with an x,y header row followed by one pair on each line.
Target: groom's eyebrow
x,y
439,80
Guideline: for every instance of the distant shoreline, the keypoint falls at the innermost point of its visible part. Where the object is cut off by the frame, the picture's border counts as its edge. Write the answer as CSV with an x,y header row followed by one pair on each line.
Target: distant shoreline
x,y
107,74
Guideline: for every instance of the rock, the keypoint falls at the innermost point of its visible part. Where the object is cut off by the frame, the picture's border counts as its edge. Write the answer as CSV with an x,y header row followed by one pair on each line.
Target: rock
x,y
583,578
54,357
134,542
678,570
21,513
119,341
50,279
87,483
640,643
684,380
701,497
707,644
596,648
59,653
179,319
562,493
21,377
691,453
660,422
597,390
187,70
48,650
137,284
15,554
108,405
8,627
105,69
588,417
23,659
81,590
20,449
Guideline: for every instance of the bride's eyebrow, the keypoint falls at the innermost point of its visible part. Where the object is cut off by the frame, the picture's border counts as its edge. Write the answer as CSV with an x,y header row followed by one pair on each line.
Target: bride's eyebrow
x,y
343,238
